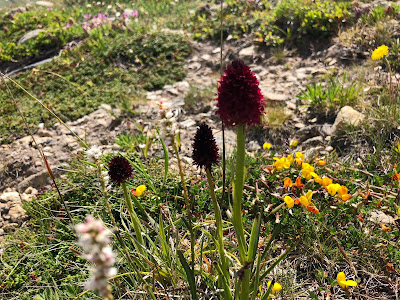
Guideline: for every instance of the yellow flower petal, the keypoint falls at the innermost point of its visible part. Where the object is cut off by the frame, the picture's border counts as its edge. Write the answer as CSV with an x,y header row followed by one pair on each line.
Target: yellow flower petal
x,y
380,52
276,288
294,143
289,201
267,146
287,182
140,190
333,188
304,201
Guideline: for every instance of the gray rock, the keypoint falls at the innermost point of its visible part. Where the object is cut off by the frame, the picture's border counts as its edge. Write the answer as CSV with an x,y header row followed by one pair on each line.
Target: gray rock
x,y
248,52
347,115
29,36
380,217
44,3
312,142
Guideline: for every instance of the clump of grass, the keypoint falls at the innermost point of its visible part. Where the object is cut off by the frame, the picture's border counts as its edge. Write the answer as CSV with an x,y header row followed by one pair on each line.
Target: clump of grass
x,y
337,93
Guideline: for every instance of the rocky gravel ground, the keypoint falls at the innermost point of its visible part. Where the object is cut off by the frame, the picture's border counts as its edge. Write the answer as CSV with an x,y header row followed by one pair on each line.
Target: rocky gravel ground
x,y
22,172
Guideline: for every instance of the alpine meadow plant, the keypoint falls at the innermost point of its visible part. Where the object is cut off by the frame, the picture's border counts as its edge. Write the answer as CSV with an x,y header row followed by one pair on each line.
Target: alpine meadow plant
x,y
240,103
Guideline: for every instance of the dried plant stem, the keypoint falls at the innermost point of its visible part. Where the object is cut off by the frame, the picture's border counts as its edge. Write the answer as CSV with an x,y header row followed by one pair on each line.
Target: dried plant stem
x,y
115,227
83,144
188,205
46,163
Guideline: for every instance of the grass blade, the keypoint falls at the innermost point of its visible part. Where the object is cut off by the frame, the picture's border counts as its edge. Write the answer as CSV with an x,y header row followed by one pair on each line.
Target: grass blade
x,y
189,275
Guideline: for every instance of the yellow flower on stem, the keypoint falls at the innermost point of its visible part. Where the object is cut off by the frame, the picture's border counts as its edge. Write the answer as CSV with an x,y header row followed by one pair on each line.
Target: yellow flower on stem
x,y
397,148
341,279
380,52
281,163
299,158
275,288
289,159
139,191
289,201
326,181
342,192
317,179
306,170
333,188
267,146
287,182
294,143
306,200
321,162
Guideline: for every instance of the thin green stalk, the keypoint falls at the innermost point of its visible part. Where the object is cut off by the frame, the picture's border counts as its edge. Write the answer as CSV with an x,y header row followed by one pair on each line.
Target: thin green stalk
x,y
188,206
237,211
133,215
238,193
218,219
116,229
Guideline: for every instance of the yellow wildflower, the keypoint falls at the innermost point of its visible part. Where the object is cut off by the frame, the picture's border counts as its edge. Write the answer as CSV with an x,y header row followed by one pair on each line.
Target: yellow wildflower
x,y
294,143
139,190
267,146
380,52
290,158
341,279
287,182
342,192
281,163
333,188
306,200
289,201
326,181
321,162
397,148
275,288
398,211
299,157
306,170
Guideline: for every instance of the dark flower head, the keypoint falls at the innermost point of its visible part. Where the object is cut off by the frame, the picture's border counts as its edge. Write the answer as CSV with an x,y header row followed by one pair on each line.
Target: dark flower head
x,y
119,169
239,98
205,150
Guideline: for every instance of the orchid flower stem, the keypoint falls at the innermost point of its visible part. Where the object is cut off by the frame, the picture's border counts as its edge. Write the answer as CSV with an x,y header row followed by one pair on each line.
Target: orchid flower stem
x,y
238,193
237,210
134,218
218,219
116,229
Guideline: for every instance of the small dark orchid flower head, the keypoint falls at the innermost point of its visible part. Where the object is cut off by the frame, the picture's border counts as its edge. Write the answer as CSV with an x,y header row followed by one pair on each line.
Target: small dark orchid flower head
x,y
239,98
205,150
119,170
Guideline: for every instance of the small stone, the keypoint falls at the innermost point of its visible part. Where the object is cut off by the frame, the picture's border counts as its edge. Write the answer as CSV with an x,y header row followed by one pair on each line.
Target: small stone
x,y
216,50
299,125
206,57
248,52
10,197
380,217
328,148
312,142
348,115
274,97
44,3
29,36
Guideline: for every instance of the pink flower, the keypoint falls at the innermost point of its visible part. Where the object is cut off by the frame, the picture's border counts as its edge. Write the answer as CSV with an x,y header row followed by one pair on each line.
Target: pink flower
x,y
239,98
68,25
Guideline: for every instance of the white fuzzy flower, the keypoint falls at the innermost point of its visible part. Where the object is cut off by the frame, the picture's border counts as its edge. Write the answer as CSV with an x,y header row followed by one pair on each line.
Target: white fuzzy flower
x,y
93,154
94,240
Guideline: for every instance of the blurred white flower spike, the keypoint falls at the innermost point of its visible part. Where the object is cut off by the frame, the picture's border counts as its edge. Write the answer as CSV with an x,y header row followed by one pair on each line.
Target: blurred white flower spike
x,y
94,240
